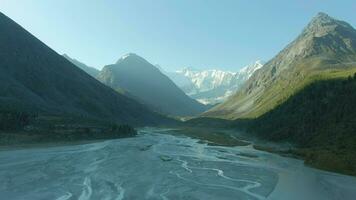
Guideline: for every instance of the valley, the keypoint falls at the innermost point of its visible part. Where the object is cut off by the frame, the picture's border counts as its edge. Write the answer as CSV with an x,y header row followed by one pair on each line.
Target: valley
x,y
130,129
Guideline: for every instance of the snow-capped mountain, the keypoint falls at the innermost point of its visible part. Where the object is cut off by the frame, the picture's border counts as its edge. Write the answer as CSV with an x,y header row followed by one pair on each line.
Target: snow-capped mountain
x,y
212,86
246,72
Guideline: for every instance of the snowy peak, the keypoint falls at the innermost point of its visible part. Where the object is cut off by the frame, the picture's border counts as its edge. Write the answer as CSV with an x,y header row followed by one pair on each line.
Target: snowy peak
x,y
212,86
248,70
208,79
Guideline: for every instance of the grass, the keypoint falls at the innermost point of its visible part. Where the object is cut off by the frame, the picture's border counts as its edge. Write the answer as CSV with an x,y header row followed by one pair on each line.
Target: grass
x,y
283,89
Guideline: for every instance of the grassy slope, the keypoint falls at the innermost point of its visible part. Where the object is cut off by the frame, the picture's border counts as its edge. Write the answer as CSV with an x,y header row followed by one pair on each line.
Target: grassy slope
x,y
290,83
320,119
284,88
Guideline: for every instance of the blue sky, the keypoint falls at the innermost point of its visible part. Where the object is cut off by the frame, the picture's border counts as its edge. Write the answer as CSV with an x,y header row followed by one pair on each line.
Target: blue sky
x,y
204,34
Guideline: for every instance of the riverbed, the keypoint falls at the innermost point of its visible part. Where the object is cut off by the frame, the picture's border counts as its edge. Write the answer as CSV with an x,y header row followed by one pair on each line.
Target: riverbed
x,y
157,165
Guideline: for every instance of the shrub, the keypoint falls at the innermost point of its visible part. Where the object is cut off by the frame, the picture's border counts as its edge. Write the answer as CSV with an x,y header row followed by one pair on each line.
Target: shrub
x,y
14,120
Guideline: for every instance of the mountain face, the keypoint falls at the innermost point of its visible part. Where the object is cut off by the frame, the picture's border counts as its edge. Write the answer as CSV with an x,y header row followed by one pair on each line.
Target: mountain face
x,y
146,83
324,49
36,79
212,86
90,70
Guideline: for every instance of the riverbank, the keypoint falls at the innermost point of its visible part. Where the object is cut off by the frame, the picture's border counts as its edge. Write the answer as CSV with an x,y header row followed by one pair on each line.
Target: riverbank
x,y
212,137
323,158
47,144
65,135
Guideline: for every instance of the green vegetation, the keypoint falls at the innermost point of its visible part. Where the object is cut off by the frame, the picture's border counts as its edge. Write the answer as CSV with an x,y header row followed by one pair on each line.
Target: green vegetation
x,y
320,119
294,81
24,128
11,120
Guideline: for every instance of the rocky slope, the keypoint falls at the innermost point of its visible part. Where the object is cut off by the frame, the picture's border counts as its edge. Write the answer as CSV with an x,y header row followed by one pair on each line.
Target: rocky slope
x,y
324,49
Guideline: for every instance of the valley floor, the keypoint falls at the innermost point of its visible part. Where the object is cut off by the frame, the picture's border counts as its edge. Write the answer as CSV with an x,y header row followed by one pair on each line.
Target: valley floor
x,y
157,165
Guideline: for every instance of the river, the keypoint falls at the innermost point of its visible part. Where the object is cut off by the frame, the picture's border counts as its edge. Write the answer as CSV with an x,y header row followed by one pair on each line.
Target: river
x,y
155,165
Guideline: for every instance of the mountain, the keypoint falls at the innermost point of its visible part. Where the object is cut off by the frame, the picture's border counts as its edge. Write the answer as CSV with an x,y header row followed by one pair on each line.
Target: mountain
x,y
325,49
145,82
212,86
90,70
36,79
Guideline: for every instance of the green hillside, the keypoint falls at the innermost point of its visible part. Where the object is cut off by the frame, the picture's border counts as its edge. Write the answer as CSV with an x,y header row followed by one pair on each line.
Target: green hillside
x,y
326,48
320,119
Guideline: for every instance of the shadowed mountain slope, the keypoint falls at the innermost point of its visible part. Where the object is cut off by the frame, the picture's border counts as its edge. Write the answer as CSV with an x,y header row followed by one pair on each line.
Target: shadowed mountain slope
x,y
149,85
35,78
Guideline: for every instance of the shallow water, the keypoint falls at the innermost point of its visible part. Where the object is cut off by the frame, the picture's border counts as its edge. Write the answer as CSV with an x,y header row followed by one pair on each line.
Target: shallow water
x,y
155,165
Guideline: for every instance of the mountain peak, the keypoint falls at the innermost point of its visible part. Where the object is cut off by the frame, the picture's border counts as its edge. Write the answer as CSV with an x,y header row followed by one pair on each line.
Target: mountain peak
x,y
322,19
323,16
131,57
323,24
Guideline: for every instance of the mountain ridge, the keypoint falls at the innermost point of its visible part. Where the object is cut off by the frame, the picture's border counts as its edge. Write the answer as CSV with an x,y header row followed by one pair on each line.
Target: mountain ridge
x,y
88,69
325,45
143,80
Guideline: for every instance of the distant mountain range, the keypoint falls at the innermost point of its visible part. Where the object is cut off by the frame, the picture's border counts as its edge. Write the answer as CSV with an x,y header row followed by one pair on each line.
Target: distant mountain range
x,y
212,86
37,80
208,87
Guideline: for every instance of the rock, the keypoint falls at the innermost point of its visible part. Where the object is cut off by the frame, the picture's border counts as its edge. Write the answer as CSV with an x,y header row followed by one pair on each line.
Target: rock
x,y
165,158
145,148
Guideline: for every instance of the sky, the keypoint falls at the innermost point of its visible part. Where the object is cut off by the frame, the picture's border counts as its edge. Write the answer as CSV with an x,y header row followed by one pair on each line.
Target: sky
x,y
202,34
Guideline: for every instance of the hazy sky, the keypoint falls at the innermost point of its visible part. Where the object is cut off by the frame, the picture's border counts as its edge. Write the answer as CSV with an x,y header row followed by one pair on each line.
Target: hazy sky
x,y
225,34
